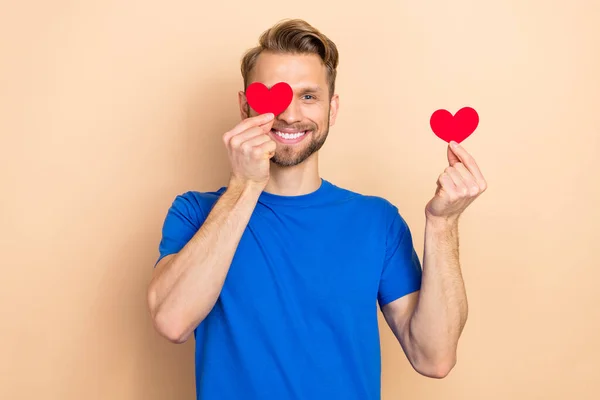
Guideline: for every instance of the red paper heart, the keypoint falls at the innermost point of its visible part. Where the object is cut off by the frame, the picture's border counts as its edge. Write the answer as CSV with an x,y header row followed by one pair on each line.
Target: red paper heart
x,y
457,127
263,100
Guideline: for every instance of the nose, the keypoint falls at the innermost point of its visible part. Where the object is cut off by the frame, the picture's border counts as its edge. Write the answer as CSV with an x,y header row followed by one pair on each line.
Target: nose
x,y
292,114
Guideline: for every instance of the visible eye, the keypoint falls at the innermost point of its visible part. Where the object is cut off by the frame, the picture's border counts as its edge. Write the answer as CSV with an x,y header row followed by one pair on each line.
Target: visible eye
x,y
310,95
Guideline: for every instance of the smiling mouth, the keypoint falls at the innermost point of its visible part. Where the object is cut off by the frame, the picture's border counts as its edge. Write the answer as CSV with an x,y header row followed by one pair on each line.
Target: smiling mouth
x,y
291,135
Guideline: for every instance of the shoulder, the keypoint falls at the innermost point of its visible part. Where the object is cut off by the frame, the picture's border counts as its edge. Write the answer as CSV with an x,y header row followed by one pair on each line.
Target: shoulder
x,y
371,204
196,204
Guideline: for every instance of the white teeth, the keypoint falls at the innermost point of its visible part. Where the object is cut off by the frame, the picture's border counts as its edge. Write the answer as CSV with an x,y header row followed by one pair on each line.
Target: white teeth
x,y
290,135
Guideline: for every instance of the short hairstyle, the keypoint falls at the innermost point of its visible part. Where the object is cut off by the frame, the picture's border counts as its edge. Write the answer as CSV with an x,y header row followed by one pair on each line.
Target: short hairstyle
x,y
294,36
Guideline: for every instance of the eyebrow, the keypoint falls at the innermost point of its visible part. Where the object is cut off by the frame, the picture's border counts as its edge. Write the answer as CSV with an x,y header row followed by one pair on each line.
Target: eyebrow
x,y
309,89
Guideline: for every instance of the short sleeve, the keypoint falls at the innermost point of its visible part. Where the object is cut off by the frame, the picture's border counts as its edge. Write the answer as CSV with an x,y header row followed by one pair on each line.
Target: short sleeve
x,y
402,271
181,223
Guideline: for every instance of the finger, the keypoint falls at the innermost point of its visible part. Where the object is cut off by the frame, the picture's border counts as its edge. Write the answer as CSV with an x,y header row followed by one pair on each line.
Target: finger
x,y
255,130
459,184
238,139
446,182
267,127
469,162
439,187
268,148
468,179
256,141
250,123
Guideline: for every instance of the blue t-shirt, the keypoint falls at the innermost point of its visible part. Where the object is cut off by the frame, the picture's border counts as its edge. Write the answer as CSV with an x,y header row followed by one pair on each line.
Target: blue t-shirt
x,y
297,315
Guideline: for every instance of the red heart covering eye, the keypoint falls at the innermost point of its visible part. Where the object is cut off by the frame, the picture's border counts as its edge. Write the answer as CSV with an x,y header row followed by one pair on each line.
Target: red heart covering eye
x,y
262,100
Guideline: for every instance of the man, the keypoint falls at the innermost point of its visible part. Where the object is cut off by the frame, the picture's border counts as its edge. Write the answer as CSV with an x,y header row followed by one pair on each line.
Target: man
x,y
278,275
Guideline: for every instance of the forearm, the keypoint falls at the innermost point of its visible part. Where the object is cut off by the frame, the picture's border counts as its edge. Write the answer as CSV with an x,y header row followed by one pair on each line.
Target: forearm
x,y
188,287
441,311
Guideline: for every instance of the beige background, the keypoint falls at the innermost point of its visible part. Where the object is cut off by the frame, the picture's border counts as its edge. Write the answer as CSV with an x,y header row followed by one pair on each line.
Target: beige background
x,y
109,109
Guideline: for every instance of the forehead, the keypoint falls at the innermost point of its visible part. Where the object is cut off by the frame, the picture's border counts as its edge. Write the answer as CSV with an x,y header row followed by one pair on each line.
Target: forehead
x,y
296,69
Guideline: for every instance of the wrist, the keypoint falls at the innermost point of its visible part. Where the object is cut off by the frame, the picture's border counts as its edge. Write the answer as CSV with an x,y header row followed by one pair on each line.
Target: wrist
x,y
245,187
441,223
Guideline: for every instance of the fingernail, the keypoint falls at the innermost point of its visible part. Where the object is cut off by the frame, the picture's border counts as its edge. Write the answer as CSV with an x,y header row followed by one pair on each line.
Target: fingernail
x,y
454,144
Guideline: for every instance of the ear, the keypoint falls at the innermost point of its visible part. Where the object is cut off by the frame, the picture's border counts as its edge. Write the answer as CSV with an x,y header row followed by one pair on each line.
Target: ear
x,y
334,105
243,103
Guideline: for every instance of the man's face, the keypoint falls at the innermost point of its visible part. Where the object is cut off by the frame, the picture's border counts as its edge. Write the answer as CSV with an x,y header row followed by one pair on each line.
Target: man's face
x,y
301,130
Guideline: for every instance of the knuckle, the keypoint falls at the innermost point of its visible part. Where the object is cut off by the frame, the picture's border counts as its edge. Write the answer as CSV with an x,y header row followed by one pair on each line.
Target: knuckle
x,y
246,148
257,152
235,142
474,190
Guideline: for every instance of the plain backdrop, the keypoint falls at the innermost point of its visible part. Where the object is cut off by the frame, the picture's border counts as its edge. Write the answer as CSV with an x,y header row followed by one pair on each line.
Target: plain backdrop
x,y
109,109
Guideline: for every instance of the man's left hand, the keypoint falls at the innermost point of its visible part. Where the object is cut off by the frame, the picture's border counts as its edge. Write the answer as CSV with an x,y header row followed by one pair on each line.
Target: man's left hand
x,y
459,184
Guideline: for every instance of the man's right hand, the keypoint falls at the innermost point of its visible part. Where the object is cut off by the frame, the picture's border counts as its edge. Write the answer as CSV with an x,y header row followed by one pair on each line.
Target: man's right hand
x,y
250,149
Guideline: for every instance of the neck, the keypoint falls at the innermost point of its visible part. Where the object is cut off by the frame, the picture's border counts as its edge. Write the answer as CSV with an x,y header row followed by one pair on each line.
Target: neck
x,y
295,181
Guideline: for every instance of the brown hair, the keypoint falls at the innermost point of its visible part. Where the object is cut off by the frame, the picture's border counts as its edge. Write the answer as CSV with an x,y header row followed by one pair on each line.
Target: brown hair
x,y
294,36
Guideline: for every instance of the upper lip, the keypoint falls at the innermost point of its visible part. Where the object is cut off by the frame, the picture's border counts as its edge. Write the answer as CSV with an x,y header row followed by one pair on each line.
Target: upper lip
x,y
287,130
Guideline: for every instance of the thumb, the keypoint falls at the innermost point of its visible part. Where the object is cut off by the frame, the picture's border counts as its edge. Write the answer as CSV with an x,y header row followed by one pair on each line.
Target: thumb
x,y
267,127
452,158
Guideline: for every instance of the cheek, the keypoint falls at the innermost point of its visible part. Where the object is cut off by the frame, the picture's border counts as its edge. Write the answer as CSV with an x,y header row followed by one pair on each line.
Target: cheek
x,y
316,113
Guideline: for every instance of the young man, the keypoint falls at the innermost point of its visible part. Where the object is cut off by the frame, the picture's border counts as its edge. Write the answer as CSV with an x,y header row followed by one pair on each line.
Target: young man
x,y
279,274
